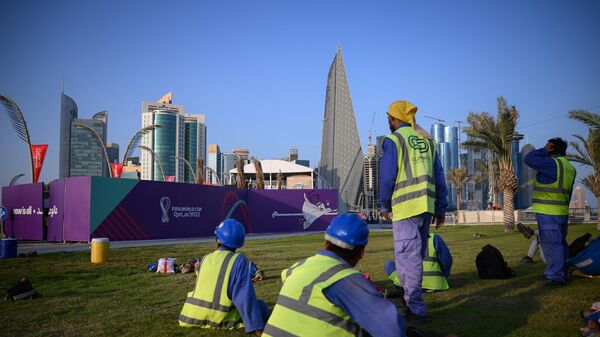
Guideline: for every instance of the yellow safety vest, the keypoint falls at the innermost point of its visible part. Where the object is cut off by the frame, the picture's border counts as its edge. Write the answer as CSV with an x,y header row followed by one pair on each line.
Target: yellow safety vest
x,y
553,199
209,306
302,309
414,192
433,277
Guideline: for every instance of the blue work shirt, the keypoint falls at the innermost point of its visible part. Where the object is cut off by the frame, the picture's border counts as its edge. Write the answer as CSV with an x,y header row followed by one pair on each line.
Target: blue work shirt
x,y
541,161
388,172
243,296
365,306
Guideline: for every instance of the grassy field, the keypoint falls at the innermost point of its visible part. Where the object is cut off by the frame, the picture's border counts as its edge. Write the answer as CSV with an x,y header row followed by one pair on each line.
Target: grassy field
x,y
120,298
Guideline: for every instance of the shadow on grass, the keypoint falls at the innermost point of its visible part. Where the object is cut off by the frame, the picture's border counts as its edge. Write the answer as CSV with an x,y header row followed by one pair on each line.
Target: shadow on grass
x,y
493,308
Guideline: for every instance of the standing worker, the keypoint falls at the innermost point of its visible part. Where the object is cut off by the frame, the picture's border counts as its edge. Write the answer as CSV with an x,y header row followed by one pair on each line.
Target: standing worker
x,y
413,187
224,297
551,196
324,295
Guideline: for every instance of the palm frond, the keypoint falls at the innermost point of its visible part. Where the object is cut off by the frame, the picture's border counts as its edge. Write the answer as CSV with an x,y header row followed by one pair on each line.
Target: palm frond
x,y
13,181
135,140
16,118
589,118
589,182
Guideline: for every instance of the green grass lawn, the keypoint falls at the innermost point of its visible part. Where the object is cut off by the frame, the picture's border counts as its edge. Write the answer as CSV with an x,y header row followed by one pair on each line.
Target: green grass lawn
x,y
120,298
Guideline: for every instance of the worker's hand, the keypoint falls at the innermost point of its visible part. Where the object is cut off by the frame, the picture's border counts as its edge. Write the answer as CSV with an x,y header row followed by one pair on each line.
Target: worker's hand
x,y
439,220
550,147
386,216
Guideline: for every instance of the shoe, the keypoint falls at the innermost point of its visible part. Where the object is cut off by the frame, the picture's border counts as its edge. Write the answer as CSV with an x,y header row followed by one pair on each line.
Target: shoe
x,y
525,260
525,230
554,283
410,317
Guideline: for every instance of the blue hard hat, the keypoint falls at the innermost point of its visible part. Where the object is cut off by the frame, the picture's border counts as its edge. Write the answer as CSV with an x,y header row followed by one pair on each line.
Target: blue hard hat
x,y
347,231
231,233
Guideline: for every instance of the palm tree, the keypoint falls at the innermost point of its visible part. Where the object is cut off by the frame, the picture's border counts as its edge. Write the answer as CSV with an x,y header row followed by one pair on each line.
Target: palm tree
x,y
18,121
587,150
260,179
496,135
458,177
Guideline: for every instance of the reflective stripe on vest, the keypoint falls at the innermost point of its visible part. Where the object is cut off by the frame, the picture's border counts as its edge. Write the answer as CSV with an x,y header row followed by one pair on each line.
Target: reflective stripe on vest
x,y
553,199
413,195
433,277
208,305
302,309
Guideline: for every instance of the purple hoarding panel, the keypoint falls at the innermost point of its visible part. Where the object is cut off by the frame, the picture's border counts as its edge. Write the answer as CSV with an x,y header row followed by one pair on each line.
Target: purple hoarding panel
x,y
25,211
291,210
158,210
56,210
76,215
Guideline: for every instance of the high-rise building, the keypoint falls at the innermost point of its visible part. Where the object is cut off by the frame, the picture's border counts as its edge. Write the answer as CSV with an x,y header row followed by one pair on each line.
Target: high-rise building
x,y
342,159
228,162
578,199
167,141
293,155
437,132
476,191
68,113
112,149
195,143
371,177
528,177
87,155
214,163
242,153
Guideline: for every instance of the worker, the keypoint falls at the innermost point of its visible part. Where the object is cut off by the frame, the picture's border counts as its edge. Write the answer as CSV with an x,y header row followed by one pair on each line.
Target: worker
x,y
224,297
324,295
413,187
551,196
436,265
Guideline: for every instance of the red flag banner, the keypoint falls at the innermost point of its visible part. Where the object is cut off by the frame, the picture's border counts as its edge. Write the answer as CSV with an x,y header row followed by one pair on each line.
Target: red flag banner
x,y
38,152
170,178
116,169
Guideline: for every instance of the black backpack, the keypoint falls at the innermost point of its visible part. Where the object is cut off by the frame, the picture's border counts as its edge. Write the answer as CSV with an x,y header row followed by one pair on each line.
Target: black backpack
x,y
491,265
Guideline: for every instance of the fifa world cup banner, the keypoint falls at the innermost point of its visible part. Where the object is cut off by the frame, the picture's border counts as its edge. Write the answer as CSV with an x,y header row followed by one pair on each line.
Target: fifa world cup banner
x,y
25,211
125,209
275,211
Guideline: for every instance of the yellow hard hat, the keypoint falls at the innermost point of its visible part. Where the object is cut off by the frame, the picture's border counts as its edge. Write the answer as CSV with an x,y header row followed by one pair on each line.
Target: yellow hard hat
x,y
404,111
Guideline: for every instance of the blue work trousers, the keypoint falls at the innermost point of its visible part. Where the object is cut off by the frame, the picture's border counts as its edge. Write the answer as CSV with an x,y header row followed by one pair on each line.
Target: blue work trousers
x,y
410,243
553,239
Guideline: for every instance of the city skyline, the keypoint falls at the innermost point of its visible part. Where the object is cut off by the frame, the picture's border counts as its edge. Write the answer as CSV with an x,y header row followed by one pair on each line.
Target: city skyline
x,y
263,80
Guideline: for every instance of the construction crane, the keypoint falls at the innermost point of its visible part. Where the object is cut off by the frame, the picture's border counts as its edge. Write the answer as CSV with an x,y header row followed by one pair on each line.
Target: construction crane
x,y
435,118
371,128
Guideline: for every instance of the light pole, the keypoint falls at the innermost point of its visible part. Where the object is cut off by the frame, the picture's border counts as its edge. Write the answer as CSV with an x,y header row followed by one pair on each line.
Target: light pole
x,y
188,165
154,157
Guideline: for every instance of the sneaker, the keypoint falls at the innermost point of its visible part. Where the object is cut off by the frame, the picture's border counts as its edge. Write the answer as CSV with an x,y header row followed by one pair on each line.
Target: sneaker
x,y
525,230
525,260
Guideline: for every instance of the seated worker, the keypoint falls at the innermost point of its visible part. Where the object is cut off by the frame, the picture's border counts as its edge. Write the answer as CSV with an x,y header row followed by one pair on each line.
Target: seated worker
x,y
436,265
224,297
324,295
573,249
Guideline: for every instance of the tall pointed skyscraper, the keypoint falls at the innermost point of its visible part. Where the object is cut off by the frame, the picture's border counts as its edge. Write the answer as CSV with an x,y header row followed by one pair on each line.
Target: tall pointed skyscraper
x,y
341,162
68,113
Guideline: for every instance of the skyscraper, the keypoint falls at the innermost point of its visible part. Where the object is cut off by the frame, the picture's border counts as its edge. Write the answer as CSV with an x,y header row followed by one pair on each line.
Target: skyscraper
x,y
87,155
341,162
578,199
167,141
371,177
195,142
112,149
228,161
214,163
68,112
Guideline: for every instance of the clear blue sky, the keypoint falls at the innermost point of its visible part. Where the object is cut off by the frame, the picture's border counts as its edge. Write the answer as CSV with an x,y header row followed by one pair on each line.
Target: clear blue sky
x,y
258,69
